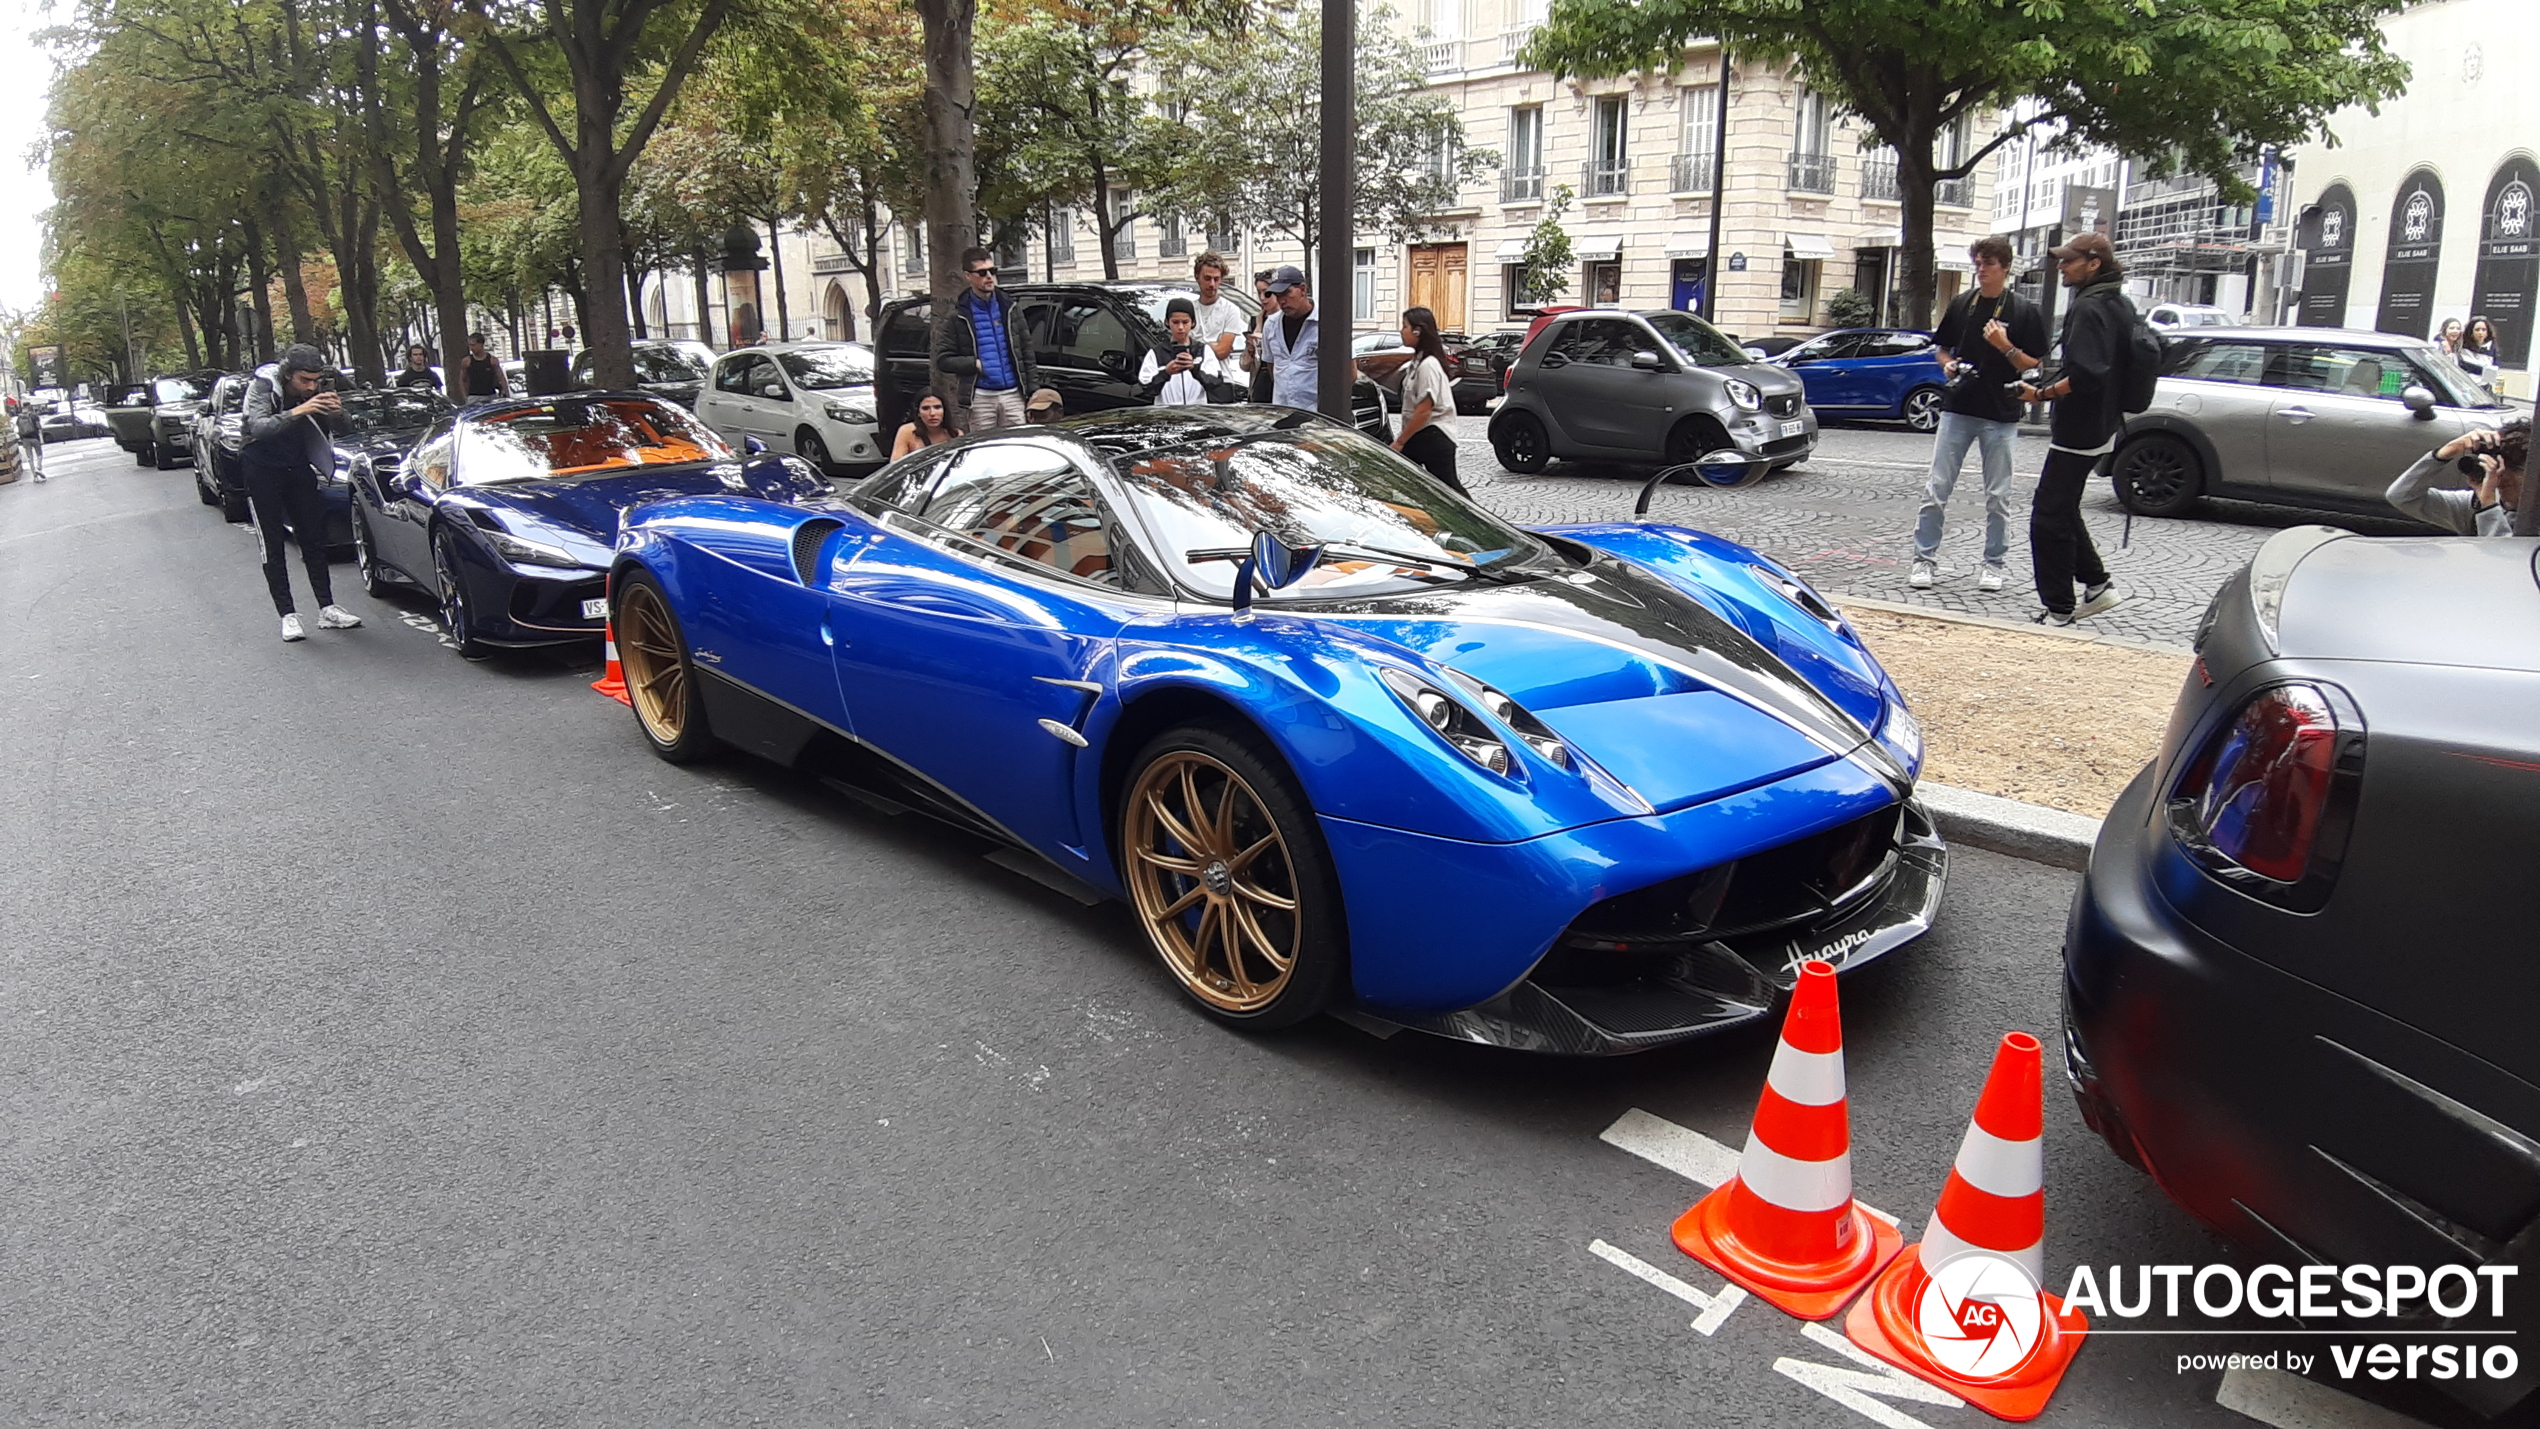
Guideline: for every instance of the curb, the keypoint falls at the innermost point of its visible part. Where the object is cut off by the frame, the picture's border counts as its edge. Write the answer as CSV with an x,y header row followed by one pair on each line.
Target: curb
x,y
2031,831
2015,627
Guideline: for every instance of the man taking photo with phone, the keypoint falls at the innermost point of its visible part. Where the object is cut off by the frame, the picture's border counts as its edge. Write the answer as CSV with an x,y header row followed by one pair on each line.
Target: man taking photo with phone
x,y
287,453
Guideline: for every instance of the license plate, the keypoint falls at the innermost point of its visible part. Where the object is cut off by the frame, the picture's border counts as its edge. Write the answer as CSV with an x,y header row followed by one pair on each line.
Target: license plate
x,y
595,610
1792,429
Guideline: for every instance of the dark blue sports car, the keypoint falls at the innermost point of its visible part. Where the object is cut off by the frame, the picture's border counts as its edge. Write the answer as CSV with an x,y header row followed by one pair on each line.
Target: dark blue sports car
x,y
1338,736
506,512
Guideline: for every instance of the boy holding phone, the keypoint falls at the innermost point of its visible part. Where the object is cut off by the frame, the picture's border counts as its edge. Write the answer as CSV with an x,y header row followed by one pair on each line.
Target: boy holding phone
x,y
1183,372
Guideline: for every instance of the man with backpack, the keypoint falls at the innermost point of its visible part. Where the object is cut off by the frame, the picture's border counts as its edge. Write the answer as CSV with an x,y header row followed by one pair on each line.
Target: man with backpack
x,y
2106,374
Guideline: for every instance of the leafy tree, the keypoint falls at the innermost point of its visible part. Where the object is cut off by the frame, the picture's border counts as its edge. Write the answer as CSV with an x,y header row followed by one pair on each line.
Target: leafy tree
x,y
1547,258
423,101
2206,81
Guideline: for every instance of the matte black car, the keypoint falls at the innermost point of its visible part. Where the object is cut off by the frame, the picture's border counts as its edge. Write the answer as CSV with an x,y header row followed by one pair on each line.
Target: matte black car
x,y
674,370
178,399
128,419
1087,338
220,428
2300,973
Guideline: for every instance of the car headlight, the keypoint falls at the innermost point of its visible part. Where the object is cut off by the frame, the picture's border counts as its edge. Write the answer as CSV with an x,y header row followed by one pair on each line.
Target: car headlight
x,y
1743,393
1454,723
530,553
1904,735
1521,722
853,416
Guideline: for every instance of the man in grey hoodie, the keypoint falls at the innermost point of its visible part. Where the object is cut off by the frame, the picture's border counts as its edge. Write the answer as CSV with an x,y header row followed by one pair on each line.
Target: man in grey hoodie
x,y
287,453
2488,509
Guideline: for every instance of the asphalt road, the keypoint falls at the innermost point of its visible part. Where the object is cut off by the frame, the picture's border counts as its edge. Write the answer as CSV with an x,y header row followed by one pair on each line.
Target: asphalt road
x,y
391,1040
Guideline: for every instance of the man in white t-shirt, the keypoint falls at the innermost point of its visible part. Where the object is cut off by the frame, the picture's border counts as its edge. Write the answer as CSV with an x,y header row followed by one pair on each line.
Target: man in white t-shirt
x,y
1219,323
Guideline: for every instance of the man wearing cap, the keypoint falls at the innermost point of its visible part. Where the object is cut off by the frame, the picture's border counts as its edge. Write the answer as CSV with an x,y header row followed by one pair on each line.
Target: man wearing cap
x,y
286,454
1183,372
1290,341
1045,407
2089,406
986,348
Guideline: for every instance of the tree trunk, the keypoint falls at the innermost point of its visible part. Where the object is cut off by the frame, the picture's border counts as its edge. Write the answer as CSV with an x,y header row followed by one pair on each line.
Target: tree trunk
x,y
1914,225
600,185
705,302
873,261
776,270
635,301
259,292
286,257
951,173
185,325
359,289
1105,238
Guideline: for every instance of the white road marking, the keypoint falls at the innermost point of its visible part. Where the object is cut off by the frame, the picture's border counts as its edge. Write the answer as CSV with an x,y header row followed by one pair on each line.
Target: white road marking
x,y
1852,1388
1686,1152
1715,1309
2288,1401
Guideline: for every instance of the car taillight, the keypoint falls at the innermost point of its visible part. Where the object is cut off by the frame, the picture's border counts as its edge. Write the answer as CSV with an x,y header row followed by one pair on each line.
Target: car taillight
x,y
2265,789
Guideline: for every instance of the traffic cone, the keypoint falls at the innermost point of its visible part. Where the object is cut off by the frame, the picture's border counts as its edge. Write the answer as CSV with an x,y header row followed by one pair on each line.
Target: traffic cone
x,y
1785,1226
1950,1326
612,682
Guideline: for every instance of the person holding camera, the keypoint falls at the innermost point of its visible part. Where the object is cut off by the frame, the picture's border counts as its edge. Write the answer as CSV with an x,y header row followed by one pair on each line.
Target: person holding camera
x,y
2000,328
1183,372
2089,403
290,411
2492,460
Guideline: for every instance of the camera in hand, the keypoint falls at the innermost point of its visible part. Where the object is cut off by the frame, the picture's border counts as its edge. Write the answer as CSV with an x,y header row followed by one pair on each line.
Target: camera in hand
x,y
2469,464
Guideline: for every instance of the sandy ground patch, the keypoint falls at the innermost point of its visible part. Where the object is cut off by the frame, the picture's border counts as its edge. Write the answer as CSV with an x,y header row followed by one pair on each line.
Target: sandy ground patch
x,y
2052,721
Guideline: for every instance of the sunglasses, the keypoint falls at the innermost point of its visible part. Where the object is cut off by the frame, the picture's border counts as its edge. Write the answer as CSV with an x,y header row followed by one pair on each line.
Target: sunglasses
x,y
983,272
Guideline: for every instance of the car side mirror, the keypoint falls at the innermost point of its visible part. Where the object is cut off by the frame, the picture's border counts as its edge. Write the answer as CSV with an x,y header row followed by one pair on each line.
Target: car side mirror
x,y
1275,564
1647,362
407,485
1115,363
1756,354
753,446
773,392
2419,401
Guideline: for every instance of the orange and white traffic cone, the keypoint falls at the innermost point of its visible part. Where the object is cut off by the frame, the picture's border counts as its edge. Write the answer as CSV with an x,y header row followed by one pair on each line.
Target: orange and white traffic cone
x,y
1786,1227
1967,1309
612,682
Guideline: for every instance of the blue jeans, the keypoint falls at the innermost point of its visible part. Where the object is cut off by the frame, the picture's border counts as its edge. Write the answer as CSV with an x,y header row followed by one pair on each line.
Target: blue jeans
x,y
1958,431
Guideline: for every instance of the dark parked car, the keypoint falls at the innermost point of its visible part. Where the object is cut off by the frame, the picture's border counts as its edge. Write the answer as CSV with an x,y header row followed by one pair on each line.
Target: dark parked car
x,y
2299,978
2296,416
177,400
1087,337
128,419
380,427
1481,368
1661,386
1883,372
506,511
219,429
675,370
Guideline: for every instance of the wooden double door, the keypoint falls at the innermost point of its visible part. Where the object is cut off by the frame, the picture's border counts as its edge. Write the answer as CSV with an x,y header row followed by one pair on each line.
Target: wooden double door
x,y
1438,282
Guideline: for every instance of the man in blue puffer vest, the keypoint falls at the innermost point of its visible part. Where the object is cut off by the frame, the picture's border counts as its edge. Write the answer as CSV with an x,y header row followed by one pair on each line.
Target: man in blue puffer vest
x,y
986,347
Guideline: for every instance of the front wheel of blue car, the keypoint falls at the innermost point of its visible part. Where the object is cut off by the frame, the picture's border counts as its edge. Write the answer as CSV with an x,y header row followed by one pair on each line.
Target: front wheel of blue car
x,y
1230,877
660,682
457,620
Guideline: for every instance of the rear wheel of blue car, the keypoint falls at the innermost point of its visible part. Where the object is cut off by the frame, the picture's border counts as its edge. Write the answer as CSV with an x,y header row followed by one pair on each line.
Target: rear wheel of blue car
x,y
1230,877
1922,409
660,682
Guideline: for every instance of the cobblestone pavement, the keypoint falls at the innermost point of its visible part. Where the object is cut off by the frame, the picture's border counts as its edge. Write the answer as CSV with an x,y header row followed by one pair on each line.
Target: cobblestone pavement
x,y
1845,520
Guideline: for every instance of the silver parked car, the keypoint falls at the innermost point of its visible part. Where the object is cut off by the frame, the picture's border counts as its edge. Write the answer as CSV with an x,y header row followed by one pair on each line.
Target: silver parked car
x,y
2296,416
814,399
1645,387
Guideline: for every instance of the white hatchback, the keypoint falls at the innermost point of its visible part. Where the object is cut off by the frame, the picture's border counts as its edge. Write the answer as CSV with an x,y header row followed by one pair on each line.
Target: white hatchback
x,y
814,399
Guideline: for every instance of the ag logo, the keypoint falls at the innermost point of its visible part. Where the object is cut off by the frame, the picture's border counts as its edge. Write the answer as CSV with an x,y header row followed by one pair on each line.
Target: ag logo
x,y
2420,217
2513,210
1980,1316
2333,228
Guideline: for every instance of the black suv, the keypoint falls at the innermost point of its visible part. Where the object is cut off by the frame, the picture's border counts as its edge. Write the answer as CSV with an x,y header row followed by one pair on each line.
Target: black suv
x,y
1088,339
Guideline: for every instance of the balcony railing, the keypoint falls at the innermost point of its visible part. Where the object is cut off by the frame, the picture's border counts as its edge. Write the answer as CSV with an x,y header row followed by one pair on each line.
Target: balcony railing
x,y
1169,242
1691,173
1812,173
1513,41
1878,179
1521,185
1954,193
1442,56
1605,180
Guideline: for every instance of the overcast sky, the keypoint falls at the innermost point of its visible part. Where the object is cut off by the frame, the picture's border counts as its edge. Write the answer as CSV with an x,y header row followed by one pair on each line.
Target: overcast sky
x,y
25,76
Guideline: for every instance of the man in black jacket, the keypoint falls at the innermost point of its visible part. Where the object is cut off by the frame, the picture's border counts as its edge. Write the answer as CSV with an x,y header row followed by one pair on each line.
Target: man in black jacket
x,y
987,348
287,453
2089,407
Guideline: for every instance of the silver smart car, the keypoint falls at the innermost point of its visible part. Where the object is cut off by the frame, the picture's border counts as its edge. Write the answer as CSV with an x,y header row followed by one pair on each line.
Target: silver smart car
x,y
1606,385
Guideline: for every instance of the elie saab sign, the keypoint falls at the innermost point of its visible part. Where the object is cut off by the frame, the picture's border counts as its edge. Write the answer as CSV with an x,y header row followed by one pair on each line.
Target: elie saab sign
x,y
2416,249
2331,264
2509,257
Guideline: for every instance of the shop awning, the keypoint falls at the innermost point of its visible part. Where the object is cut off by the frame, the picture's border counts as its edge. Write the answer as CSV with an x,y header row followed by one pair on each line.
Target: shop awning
x,y
1512,251
1698,246
1807,246
1604,249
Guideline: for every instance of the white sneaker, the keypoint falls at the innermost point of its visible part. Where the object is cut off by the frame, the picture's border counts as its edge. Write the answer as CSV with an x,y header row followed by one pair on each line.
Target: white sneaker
x,y
1924,569
2094,599
1992,577
336,617
291,628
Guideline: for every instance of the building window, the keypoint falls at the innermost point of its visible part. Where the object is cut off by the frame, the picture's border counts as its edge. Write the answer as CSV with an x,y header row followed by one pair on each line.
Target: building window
x,y
1811,165
1604,286
1169,242
1522,180
1439,162
1948,151
1699,153
1062,243
912,250
1799,289
1609,162
1124,209
1512,281
1222,235
1362,279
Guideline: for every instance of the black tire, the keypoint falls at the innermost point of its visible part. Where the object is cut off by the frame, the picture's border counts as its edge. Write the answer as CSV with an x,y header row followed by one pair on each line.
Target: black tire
x,y
809,446
2157,474
1520,442
234,508
456,620
146,454
203,491
1314,927
661,681
1921,408
165,456
366,555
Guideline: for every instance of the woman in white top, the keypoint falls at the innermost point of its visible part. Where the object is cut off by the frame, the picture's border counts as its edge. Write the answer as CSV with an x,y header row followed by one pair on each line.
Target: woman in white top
x,y
2477,355
1428,400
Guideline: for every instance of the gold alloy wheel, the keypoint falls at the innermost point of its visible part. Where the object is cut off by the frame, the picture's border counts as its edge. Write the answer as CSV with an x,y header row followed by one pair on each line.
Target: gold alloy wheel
x,y
1212,881
648,653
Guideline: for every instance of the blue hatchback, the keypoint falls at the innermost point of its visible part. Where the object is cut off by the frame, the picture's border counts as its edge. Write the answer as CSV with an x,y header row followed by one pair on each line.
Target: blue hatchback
x,y
1884,372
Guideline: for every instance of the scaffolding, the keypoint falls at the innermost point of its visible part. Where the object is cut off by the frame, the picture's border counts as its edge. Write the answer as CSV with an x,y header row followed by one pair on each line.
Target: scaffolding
x,y
2177,232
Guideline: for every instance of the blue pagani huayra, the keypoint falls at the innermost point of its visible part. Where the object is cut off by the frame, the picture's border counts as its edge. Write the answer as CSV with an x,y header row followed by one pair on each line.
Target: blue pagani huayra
x,y
1584,789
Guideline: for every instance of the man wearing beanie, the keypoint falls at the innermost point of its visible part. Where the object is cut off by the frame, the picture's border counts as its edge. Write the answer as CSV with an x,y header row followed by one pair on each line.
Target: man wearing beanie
x,y
286,455
1183,372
